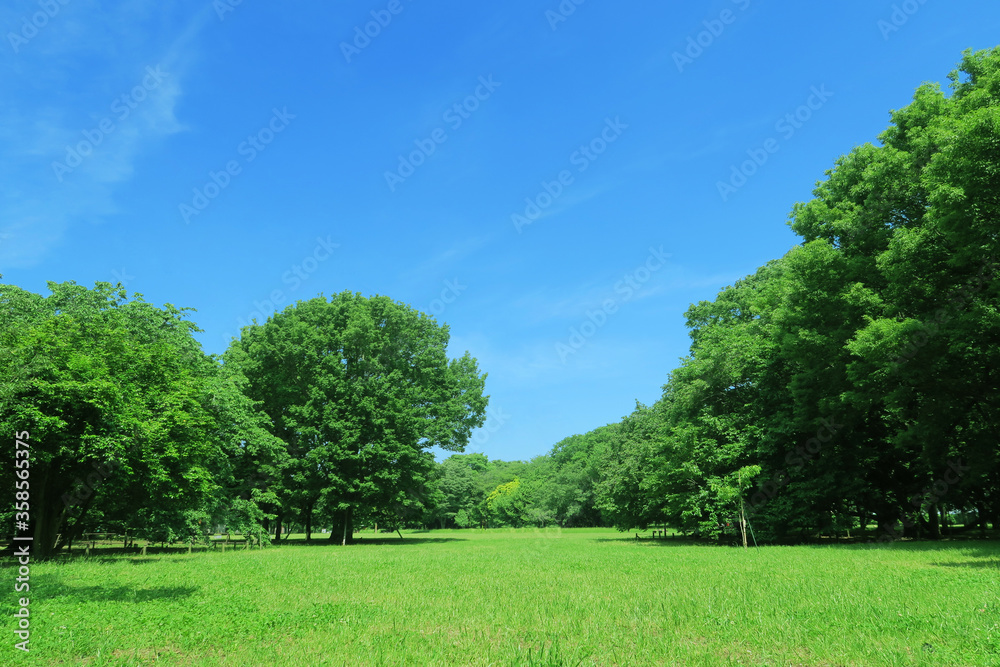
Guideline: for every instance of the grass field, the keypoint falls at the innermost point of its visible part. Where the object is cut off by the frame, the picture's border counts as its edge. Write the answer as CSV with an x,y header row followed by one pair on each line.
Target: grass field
x,y
529,597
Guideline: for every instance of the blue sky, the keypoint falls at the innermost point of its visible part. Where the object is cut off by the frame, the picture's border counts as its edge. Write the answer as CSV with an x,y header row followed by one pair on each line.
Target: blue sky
x,y
544,177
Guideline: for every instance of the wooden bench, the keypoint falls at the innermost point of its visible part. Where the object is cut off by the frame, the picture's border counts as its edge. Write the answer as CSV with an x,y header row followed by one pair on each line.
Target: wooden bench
x,y
90,540
657,534
229,541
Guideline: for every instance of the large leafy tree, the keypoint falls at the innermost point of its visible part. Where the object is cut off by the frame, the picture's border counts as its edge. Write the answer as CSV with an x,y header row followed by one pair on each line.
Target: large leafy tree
x,y
917,219
359,389
859,369
626,494
130,421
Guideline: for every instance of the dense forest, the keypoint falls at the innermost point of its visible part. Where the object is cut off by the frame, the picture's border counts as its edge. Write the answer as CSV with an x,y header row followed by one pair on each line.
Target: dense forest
x,y
852,382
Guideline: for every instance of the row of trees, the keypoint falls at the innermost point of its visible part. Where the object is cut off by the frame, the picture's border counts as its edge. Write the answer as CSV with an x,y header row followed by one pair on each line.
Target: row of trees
x,y
328,409
857,378
559,488
853,380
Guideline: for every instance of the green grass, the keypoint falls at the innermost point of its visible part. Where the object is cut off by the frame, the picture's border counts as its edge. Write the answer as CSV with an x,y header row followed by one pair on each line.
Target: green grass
x,y
520,598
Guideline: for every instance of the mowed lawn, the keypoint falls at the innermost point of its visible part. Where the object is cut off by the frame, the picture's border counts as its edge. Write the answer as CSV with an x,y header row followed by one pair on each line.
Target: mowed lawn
x,y
528,597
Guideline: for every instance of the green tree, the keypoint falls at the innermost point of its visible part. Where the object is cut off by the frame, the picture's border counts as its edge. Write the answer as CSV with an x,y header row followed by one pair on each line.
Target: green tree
x,y
118,398
359,389
506,505
458,484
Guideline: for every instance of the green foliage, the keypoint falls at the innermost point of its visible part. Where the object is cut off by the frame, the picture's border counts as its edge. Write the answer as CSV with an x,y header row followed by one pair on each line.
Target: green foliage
x,y
855,371
246,518
357,390
128,418
506,505
555,489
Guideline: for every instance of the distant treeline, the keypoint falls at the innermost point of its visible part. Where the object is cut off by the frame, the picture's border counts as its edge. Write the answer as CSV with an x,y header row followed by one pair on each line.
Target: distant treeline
x,y
559,488
854,382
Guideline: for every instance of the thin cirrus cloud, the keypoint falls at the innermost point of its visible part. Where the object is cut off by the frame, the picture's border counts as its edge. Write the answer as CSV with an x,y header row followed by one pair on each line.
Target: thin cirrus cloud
x,y
61,167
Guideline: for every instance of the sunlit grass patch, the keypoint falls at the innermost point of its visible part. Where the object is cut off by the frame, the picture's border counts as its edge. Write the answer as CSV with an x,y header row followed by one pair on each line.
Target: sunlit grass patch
x,y
590,597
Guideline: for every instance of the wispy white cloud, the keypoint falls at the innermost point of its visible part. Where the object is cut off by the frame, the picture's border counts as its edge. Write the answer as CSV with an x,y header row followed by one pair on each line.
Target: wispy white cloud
x,y
565,203
70,143
556,303
441,262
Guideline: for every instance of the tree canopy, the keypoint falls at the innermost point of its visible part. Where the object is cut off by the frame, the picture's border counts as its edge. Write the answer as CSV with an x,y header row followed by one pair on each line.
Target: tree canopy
x,y
359,390
852,380
857,373
131,423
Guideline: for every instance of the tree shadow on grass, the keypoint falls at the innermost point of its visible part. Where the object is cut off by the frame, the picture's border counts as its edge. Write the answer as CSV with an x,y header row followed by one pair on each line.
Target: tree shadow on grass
x,y
51,588
374,541
647,541
974,548
977,547
134,554
974,564
133,560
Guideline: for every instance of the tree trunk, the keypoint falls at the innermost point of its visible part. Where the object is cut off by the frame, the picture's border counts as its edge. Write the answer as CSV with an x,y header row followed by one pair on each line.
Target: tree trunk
x,y
343,527
935,523
886,522
347,526
743,523
70,532
47,521
277,526
309,522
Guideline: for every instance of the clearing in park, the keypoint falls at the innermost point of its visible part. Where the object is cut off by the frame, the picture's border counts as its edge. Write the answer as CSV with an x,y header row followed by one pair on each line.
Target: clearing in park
x,y
522,597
